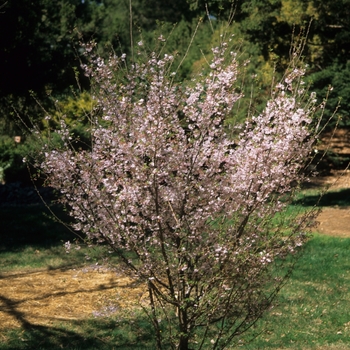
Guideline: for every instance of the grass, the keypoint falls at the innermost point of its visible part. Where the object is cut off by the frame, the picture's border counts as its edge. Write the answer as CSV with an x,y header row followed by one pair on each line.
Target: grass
x,y
338,198
36,257
312,310
311,313
31,225
103,334
31,239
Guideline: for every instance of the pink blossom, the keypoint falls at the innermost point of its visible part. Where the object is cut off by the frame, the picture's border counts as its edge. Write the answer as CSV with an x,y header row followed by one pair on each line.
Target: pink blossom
x,y
165,181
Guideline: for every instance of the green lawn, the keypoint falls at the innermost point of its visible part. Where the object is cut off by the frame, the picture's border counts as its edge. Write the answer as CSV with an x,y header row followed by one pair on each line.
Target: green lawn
x,y
312,311
31,238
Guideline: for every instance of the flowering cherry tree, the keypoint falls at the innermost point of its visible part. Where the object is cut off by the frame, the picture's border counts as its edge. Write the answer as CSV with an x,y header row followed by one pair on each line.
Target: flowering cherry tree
x,y
192,211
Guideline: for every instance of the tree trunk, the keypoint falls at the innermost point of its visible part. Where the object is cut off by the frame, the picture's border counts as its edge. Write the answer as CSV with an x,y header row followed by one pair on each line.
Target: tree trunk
x,y
183,344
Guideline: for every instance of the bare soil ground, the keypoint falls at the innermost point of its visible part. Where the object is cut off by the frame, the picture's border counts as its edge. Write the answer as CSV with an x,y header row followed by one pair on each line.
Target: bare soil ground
x,y
47,296
335,221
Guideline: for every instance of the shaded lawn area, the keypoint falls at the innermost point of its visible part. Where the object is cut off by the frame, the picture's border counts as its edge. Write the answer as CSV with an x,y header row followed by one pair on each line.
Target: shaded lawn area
x,y
340,198
31,225
102,334
30,238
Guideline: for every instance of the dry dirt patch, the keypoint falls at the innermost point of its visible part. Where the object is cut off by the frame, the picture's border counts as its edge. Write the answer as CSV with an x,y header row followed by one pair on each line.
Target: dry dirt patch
x,y
45,297
337,180
334,221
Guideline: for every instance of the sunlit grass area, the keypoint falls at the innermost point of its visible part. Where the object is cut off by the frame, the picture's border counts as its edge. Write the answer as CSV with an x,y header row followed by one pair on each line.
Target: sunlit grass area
x,y
311,311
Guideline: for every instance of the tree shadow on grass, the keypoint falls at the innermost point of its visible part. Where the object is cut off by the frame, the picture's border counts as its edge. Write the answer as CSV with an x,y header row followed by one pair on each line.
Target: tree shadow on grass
x,y
132,332
32,225
329,199
96,334
30,237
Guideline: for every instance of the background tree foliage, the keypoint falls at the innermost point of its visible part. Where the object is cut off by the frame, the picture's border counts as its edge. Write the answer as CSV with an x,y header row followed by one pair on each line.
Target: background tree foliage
x,y
40,40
